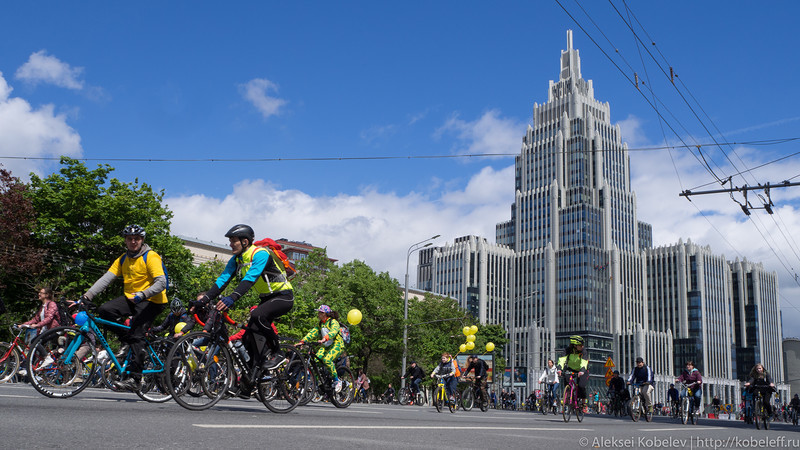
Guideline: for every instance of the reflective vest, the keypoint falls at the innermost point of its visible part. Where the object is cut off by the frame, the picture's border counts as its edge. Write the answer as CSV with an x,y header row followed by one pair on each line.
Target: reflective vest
x,y
272,279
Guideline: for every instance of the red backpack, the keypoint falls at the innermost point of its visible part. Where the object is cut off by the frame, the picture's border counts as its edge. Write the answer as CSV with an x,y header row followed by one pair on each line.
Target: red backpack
x,y
274,250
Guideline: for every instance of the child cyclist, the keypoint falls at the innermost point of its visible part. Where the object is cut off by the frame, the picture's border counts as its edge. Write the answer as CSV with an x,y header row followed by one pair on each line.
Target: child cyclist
x,y
447,367
327,333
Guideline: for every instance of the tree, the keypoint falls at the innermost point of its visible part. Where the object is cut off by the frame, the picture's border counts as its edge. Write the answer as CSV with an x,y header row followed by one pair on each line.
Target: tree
x,y
80,216
21,261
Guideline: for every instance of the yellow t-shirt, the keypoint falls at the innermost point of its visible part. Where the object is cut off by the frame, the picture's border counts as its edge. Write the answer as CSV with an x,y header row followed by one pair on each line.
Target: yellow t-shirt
x,y
138,275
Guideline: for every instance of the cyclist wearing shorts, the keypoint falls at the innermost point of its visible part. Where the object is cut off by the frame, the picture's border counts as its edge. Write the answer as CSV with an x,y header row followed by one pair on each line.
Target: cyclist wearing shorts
x,y
327,333
643,375
694,380
144,297
573,361
447,367
256,269
550,377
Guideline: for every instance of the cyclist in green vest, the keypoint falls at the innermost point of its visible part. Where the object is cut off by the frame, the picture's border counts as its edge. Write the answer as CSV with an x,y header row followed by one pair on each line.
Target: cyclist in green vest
x,y
254,268
574,362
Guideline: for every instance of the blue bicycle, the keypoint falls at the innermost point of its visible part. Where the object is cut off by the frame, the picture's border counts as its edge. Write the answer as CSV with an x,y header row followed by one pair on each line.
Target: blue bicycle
x,y
63,360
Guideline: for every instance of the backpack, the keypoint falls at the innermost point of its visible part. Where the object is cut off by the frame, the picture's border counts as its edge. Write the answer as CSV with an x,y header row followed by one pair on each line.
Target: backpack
x,y
457,369
278,256
144,258
345,332
64,318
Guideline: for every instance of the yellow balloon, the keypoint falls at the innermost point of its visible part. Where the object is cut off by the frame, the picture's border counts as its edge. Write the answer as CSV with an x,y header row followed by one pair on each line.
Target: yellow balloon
x,y
470,345
471,338
179,327
473,329
465,331
462,348
489,346
354,317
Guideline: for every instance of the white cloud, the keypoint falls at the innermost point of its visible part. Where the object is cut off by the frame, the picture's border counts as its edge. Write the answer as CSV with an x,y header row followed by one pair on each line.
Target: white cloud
x,y
32,133
43,68
488,134
631,129
255,91
371,226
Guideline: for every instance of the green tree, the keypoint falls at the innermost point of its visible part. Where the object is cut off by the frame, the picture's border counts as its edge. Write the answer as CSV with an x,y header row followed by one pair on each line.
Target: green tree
x,y
80,216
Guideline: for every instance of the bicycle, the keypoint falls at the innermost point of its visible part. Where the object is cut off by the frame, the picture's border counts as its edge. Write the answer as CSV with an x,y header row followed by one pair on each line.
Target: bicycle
x,y
203,364
319,382
549,401
793,415
637,403
760,415
13,353
675,409
687,410
411,395
440,397
474,393
56,371
572,404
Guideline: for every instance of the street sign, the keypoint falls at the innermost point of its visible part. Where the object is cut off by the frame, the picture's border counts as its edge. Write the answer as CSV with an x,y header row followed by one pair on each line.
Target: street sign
x,y
609,363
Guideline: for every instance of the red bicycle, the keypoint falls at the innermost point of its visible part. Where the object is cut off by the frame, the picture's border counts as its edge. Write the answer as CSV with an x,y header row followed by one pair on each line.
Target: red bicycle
x,y
12,353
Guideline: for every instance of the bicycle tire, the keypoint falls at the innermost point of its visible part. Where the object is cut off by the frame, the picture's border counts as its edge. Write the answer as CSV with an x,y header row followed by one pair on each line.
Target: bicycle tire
x,y
579,411
154,387
188,368
635,405
311,388
344,398
684,411
467,399
9,365
50,374
421,400
566,413
285,388
693,414
453,405
438,398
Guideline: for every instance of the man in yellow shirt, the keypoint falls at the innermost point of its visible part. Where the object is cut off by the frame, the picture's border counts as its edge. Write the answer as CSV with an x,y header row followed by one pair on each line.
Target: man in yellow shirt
x,y
144,297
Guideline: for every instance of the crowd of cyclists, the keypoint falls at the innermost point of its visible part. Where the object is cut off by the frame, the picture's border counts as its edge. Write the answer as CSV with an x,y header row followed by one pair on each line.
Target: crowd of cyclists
x,y
254,268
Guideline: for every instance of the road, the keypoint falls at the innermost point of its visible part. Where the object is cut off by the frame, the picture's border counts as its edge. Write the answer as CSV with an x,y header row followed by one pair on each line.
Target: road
x,y
99,418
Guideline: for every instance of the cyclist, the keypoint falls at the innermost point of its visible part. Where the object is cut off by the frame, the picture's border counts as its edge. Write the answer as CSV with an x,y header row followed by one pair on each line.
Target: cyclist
x,y
794,404
144,297
447,367
674,397
327,333
177,315
414,374
643,375
574,362
255,269
45,318
481,369
715,405
617,392
550,376
388,394
362,384
761,381
692,377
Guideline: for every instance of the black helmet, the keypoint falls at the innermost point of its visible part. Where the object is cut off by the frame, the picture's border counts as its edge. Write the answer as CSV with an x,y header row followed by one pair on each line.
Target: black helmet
x,y
133,230
241,231
176,306
616,372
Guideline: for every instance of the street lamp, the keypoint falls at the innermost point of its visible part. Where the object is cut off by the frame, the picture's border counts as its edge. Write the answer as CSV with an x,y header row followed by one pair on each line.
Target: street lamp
x,y
411,250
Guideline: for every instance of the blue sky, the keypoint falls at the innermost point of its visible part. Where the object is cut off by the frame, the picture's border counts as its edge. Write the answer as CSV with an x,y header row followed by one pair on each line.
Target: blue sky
x,y
246,80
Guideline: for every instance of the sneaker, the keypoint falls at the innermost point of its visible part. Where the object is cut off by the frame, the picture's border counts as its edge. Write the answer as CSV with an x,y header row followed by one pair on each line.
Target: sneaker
x,y
128,384
337,386
122,351
22,372
47,361
273,362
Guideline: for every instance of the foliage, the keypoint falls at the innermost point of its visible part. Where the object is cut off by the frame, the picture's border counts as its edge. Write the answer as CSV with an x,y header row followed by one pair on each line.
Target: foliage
x,y
81,214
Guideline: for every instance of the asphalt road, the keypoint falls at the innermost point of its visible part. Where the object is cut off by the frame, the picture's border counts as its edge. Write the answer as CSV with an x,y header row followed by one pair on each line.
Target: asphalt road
x,y
99,418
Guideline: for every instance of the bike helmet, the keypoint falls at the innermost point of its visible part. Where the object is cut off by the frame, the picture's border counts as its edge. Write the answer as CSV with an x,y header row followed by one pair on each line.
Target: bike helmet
x,y
576,340
176,306
133,230
241,231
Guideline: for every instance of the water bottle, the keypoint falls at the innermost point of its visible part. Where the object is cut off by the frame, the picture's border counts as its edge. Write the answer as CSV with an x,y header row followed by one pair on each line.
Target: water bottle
x,y
237,344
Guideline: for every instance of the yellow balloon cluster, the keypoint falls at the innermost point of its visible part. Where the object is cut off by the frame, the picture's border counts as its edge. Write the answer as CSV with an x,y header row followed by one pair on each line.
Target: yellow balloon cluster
x,y
469,333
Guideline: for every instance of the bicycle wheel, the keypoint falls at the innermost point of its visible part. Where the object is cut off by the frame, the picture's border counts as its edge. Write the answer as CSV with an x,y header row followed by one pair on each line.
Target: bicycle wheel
x,y
405,396
579,410
420,398
343,398
567,411
9,364
209,368
55,371
648,414
684,410
692,413
635,408
154,387
453,404
312,388
283,387
484,402
467,399
439,397
766,418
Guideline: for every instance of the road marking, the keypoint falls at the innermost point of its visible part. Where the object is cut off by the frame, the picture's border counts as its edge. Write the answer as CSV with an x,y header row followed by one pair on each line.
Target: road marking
x,y
681,428
378,427
16,396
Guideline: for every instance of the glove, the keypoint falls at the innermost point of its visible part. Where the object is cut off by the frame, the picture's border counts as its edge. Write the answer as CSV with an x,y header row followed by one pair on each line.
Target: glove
x,y
138,297
227,301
